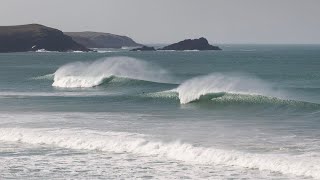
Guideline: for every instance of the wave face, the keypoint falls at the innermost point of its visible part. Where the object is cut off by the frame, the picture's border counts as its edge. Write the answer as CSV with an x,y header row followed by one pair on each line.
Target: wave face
x,y
222,100
121,142
191,90
90,74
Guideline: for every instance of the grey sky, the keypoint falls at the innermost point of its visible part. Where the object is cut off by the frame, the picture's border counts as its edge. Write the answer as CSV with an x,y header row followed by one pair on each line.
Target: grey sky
x,y
166,21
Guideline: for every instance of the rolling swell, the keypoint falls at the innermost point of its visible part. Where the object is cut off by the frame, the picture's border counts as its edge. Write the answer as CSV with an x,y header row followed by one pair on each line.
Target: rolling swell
x,y
223,99
228,89
222,89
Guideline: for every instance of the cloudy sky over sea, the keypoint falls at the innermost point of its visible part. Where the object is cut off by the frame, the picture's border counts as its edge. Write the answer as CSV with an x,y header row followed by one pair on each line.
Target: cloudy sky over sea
x,y
166,21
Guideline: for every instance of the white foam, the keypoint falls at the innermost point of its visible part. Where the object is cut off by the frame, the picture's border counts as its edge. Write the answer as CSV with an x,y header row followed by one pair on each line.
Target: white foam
x,y
42,50
193,50
139,144
90,74
194,88
104,51
77,51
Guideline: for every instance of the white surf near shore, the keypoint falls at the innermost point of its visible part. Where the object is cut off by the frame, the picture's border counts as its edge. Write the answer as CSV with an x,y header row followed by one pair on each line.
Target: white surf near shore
x,y
122,142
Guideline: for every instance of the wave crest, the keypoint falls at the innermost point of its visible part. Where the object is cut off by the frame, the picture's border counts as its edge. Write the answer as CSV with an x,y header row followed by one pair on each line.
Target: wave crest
x,y
191,90
227,99
90,74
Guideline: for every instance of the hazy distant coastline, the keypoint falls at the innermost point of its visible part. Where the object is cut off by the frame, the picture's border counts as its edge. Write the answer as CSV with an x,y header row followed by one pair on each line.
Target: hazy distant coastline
x,y
36,37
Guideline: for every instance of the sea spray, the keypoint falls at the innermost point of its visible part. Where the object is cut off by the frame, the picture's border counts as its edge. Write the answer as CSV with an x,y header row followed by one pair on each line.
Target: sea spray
x,y
194,88
90,74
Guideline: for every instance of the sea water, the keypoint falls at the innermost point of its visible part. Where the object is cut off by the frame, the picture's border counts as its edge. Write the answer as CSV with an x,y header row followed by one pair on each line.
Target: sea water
x,y
247,112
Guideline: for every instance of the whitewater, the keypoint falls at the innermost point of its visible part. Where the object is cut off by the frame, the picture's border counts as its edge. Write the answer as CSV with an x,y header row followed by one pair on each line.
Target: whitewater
x,y
132,143
80,74
231,114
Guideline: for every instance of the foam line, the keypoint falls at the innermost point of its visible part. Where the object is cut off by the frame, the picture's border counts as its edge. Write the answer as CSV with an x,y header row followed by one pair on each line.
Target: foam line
x,y
122,142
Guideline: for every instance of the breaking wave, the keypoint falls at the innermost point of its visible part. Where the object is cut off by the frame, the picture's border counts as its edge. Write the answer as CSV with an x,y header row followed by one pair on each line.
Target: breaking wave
x,y
121,142
216,88
228,89
228,99
197,87
90,74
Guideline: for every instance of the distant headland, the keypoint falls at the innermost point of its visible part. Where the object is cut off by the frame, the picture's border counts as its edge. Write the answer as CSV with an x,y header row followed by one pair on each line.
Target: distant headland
x,y
35,37
102,40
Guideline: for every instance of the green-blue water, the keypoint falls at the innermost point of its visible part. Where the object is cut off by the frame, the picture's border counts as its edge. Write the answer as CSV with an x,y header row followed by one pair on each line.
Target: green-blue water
x,y
249,111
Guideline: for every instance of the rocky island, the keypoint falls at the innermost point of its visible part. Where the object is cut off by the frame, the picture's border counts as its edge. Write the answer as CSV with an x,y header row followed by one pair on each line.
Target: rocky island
x,y
102,40
33,37
191,44
144,48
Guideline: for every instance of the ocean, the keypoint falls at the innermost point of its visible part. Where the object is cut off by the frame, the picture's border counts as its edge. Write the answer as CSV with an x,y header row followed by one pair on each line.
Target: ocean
x,y
247,112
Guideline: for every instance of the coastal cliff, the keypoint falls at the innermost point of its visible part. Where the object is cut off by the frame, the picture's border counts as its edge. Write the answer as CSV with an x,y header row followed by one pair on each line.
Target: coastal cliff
x,y
102,40
33,37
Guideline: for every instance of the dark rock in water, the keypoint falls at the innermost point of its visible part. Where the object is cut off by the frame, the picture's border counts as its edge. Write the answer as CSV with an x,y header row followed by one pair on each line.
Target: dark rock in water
x,y
144,48
33,37
191,44
102,40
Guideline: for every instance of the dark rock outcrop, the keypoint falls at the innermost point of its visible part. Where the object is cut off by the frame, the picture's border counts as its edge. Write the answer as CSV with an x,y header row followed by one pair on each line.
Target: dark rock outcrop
x,y
191,44
33,37
144,48
102,40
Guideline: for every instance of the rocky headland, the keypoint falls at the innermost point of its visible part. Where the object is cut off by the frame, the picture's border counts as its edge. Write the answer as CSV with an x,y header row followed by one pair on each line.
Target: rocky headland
x,y
33,37
102,40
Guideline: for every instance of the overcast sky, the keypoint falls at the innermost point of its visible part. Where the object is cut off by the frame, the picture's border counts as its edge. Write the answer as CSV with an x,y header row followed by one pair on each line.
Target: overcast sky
x,y
166,21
